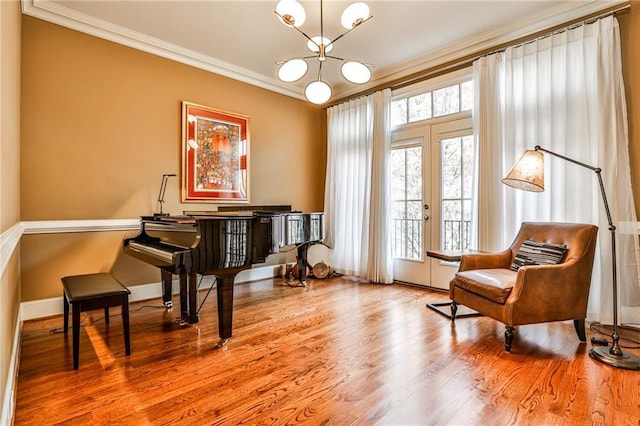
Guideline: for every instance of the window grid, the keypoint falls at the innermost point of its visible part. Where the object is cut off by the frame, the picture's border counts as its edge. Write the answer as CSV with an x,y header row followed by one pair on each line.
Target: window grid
x,y
432,104
457,159
407,228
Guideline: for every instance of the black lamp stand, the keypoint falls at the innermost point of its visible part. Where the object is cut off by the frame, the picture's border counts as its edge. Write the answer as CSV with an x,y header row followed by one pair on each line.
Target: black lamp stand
x,y
613,356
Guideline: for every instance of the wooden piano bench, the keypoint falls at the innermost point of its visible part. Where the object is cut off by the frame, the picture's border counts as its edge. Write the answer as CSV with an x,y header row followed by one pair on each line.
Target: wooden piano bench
x,y
89,292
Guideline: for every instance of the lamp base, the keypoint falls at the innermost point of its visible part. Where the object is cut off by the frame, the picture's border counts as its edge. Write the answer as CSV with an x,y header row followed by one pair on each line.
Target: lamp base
x,y
625,360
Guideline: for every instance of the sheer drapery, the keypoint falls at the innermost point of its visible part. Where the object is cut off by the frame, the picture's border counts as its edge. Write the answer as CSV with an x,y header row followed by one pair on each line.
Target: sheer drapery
x,y
357,188
565,93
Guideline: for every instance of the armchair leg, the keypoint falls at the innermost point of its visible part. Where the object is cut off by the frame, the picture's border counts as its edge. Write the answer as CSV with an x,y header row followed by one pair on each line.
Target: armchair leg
x,y
454,310
509,332
580,329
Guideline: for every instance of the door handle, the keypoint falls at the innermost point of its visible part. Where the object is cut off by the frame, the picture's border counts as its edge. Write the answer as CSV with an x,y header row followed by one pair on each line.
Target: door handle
x,y
426,217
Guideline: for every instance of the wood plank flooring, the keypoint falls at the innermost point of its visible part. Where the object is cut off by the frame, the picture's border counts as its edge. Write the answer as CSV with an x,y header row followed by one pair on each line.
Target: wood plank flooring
x,y
338,352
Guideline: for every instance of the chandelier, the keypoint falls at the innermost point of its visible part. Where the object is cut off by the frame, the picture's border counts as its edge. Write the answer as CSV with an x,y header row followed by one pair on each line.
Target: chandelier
x,y
292,14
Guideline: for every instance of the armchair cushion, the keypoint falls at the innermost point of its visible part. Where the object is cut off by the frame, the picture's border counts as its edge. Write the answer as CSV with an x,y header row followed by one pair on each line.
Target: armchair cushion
x,y
538,253
492,284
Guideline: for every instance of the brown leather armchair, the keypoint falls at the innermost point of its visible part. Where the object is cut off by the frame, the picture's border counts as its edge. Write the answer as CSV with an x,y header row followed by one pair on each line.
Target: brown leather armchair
x,y
534,294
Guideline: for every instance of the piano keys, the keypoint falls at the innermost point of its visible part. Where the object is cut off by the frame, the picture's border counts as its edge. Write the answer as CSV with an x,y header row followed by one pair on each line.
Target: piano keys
x,y
222,245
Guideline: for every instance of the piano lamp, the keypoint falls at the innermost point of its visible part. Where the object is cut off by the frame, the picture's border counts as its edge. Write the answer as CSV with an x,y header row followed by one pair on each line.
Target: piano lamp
x,y
163,188
292,14
528,174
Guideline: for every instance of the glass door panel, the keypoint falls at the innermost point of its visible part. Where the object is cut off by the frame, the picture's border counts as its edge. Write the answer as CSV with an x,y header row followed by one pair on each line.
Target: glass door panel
x,y
411,231
453,182
407,232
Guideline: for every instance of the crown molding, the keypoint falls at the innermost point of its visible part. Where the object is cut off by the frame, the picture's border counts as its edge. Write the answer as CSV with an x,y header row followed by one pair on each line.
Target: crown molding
x,y
60,15
564,12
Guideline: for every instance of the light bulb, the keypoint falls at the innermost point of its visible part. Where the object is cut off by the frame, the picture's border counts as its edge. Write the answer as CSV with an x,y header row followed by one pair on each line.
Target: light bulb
x,y
317,92
293,70
291,13
318,41
356,72
354,14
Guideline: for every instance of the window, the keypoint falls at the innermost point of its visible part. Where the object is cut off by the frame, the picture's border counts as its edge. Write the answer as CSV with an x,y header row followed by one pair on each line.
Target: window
x,y
437,103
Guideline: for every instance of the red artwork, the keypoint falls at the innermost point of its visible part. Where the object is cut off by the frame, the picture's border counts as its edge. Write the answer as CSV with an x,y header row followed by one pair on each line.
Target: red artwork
x,y
215,147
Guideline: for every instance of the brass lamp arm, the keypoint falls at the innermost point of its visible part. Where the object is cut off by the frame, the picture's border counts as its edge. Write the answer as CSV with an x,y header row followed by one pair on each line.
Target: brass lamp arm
x,y
596,170
348,31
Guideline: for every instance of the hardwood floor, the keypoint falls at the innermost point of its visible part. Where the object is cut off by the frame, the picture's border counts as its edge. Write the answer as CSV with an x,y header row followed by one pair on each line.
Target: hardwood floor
x,y
339,351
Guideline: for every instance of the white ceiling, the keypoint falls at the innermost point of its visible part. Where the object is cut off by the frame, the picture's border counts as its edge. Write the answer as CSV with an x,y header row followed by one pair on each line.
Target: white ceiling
x,y
244,39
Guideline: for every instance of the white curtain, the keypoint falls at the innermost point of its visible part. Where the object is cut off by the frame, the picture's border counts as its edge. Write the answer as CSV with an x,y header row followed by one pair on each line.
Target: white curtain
x,y
357,188
565,93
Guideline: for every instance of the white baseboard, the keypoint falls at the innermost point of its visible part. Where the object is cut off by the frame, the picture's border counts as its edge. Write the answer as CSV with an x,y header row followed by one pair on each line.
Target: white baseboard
x,y
53,306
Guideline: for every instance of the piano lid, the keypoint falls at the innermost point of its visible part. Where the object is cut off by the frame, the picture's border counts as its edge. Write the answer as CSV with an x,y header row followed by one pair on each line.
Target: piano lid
x,y
213,213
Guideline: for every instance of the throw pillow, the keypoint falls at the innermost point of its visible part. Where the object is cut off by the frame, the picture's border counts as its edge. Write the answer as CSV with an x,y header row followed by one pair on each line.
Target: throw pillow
x,y
538,253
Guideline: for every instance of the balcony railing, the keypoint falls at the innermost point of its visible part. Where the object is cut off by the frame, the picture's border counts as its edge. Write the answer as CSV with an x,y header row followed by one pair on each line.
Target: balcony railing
x,y
407,237
455,234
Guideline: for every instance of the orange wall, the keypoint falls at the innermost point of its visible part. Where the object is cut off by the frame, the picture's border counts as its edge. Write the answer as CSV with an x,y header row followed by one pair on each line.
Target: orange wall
x,y
10,114
102,123
10,22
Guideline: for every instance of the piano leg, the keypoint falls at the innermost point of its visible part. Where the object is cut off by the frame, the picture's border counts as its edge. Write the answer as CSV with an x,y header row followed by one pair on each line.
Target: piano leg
x,y
302,263
225,307
167,289
193,298
184,310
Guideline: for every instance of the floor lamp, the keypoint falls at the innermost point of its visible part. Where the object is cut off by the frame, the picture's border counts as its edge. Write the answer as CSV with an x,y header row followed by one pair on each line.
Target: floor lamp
x,y
528,174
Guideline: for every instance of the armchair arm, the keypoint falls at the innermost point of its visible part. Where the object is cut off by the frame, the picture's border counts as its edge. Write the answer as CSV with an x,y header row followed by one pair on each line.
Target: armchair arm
x,y
485,260
544,293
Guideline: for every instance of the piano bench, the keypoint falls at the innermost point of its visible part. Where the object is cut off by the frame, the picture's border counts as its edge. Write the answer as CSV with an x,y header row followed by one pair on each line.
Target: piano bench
x,y
89,292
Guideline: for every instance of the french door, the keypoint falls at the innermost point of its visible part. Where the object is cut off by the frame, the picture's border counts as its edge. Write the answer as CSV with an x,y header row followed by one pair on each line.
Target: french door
x,y
431,190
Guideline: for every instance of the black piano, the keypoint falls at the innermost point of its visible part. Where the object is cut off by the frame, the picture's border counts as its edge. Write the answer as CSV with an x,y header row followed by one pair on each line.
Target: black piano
x,y
219,244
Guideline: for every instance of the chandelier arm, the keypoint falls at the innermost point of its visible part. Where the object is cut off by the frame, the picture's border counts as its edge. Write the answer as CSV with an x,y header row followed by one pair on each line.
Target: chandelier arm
x,y
282,61
349,60
348,31
321,22
298,30
306,36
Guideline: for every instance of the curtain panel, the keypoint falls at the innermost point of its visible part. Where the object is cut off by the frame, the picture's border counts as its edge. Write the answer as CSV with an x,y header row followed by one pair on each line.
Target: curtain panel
x,y
565,93
357,188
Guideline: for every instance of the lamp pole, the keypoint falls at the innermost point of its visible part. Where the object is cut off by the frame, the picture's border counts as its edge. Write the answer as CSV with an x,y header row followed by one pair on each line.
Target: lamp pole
x,y
613,355
163,187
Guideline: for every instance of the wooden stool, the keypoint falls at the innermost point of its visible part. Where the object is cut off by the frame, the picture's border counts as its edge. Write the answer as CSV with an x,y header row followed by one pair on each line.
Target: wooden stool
x,y
93,291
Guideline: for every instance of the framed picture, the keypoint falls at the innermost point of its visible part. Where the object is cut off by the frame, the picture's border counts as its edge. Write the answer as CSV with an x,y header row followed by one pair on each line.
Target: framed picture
x,y
215,155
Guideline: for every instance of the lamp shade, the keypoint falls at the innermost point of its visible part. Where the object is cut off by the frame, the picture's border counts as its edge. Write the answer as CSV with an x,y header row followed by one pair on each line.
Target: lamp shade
x,y
354,14
317,92
291,13
317,41
293,70
528,173
356,72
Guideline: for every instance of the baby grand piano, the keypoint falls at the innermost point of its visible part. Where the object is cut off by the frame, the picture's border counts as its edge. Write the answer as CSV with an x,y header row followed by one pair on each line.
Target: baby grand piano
x,y
219,244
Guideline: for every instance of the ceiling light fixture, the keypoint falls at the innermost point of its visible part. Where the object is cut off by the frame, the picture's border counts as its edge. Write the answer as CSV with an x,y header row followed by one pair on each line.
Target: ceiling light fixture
x,y
292,14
